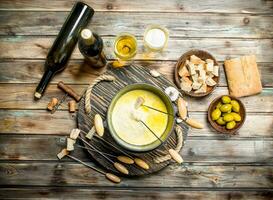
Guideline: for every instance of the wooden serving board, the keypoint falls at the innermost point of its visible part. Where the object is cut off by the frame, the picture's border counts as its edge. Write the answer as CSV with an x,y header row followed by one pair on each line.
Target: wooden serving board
x,y
102,95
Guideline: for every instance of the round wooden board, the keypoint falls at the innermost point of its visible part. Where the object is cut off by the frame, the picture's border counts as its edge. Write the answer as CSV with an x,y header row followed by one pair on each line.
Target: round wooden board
x,y
102,95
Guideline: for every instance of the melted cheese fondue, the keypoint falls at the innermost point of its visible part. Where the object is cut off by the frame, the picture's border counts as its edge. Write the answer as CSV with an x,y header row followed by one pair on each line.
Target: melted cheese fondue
x,y
133,131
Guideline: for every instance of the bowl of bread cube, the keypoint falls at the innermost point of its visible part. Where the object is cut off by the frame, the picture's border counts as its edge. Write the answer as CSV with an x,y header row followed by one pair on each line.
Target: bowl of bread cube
x,y
197,73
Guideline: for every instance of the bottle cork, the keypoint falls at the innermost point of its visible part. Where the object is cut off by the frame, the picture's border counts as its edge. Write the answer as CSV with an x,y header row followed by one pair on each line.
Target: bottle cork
x,y
52,103
72,106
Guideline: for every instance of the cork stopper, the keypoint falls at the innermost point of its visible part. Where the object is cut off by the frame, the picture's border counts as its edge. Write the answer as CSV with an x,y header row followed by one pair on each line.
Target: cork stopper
x,y
87,36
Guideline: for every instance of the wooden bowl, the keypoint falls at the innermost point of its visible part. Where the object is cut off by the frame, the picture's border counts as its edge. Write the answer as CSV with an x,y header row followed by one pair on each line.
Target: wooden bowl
x,y
181,61
222,129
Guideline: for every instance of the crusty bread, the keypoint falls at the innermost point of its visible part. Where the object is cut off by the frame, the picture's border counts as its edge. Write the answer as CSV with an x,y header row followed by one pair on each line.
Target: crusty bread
x,y
243,76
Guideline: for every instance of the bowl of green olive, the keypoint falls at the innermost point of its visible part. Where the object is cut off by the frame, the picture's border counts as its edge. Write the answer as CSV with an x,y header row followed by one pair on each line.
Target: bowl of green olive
x,y
226,114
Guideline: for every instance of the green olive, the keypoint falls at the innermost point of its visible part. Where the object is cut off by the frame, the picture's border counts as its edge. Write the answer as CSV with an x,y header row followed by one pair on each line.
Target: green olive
x,y
220,121
236,116
226,99
219,104
235,106
228,117
225,107
215,114
231,125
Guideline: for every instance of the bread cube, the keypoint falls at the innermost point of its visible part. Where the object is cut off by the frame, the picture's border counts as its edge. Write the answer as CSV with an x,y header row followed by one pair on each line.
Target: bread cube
x,y
196,60
196,85
210,82
202,89
186,86
183,71
191,68
215,70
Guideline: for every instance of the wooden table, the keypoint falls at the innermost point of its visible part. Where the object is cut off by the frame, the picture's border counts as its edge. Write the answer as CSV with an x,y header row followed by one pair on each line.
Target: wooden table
x,y
231,167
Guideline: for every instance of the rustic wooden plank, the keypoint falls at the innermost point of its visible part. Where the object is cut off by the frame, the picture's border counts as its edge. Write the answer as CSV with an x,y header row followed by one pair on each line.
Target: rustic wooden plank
x,y
232,6
33,122
40,147
128,193
66,174
37,47
21,96
77,72
178,24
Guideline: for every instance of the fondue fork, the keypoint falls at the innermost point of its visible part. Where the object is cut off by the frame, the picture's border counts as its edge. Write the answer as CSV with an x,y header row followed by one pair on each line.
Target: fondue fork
x,y
121,168
95,150
140,102
109,176
139,162
192,122
175,156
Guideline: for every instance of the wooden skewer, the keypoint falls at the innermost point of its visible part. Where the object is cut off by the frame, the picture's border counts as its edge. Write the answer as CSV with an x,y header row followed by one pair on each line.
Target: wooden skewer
x,y
121,168
109,176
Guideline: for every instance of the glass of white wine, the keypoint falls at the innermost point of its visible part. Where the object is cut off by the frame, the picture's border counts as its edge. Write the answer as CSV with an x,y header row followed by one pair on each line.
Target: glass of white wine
x,y
125,48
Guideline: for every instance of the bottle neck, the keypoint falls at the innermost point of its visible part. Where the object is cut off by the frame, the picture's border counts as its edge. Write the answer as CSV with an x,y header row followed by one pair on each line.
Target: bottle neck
x,y
43,83
87,37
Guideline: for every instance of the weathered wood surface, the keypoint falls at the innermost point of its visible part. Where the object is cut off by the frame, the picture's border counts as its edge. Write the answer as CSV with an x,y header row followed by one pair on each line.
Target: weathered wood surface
x,y
21,96
125,194
73,174
26,47
30,137
78,72
232,6
212,150
33,122
178,24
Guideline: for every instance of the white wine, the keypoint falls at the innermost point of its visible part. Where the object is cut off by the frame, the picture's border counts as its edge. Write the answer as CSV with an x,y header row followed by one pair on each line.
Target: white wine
x,y
125,46
91,47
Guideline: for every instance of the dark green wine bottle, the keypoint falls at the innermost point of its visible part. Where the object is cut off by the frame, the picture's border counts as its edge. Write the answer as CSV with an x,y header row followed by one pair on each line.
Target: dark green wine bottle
x,y
64,44
91,47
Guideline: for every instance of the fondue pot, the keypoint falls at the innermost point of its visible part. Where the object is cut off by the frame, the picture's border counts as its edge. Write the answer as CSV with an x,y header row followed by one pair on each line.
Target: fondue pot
x,y
170,118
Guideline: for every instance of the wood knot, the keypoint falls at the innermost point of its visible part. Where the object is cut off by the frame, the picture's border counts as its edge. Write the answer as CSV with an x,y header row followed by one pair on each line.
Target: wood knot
x,y
10,171
181,7
227,44
109,6
246,20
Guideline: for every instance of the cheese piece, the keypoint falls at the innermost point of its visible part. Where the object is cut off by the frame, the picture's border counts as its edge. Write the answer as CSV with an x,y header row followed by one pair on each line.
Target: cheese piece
x,y
215,71
210,82
196,60
62,154
70,144
183,71
202,89
74,134
191,68
185,86
196,85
